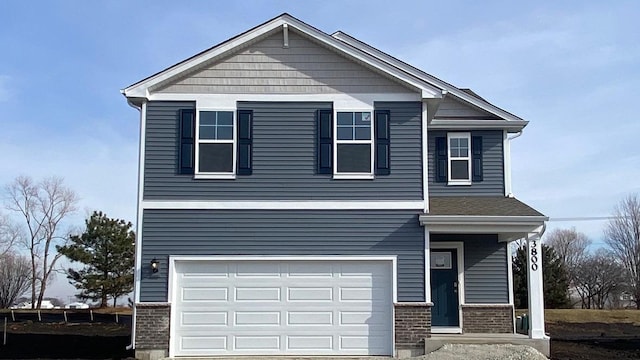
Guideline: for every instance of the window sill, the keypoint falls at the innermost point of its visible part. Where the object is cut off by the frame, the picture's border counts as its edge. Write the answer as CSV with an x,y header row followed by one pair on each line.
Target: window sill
x,y
459,182
214,176
353,176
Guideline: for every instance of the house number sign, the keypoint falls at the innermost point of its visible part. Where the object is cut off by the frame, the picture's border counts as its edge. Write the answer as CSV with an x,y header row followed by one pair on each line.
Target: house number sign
x,y
534,257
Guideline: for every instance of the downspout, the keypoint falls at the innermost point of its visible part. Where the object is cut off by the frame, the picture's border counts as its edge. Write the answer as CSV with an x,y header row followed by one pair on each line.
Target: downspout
x,y
507,163
133,314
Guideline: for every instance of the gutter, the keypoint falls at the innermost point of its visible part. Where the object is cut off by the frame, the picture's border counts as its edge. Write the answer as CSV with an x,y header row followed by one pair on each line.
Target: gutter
x,y
507,164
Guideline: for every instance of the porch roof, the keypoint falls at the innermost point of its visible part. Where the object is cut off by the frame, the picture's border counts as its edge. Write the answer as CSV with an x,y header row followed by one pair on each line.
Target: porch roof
x,y
480,206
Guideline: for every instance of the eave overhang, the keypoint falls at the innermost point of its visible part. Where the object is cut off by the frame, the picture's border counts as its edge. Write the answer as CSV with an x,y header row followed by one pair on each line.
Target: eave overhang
x,y
473,124
508,228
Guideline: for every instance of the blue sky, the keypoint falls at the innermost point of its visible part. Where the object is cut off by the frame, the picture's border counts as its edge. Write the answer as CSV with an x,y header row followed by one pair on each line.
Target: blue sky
x,y
571,68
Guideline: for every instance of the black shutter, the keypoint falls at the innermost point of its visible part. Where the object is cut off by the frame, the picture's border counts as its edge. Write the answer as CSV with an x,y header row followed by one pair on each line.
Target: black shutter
x,y
476,158
245,141
382,142
441,159
187,134
324,154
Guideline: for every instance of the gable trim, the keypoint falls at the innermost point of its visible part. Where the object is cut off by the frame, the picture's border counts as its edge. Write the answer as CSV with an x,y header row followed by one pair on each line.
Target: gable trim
x,y
143,87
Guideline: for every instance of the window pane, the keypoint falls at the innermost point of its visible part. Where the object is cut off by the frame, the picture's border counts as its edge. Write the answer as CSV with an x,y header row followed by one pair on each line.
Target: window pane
x,y
225,118
216,158
464,142
207,117
207,132
363,118
345,118
459,170
453,143
225,133
354,158
363,133
463,152
345,133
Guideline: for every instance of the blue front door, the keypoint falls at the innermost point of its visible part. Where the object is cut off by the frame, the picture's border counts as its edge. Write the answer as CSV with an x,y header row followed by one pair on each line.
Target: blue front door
x,y
444,288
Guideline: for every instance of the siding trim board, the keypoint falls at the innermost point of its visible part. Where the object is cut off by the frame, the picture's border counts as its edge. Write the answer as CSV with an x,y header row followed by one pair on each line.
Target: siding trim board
x,y
285,205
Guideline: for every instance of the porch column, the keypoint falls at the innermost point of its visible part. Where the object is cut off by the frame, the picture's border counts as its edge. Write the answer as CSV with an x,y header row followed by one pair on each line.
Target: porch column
x,y
427,267
536,294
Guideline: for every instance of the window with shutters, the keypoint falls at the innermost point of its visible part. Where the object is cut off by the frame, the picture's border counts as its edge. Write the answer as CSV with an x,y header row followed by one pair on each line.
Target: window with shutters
x,y
215,144
353,145
459,158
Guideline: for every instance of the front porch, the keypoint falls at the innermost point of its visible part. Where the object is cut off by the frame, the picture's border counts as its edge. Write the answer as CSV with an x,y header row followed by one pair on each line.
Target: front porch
x,y
436,341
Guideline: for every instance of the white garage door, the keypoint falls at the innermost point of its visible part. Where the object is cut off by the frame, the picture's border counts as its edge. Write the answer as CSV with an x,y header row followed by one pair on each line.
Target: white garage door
x,y
282,308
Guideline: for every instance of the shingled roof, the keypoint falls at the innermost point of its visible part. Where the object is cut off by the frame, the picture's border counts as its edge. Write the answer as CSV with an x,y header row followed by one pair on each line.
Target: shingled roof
x,y
480,206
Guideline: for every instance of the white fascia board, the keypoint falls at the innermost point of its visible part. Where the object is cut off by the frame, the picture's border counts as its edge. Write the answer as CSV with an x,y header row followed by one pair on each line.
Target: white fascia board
x,y
284,205
479,220
509,228
425,76
141,89
509,126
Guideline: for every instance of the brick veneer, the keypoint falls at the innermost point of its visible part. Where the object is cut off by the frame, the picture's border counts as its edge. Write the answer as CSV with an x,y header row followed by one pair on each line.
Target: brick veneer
x,y
413,324
487,319
152,326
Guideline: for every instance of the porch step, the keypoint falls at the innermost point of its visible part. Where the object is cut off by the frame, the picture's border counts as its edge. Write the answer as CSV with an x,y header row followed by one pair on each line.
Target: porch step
x,y
436,341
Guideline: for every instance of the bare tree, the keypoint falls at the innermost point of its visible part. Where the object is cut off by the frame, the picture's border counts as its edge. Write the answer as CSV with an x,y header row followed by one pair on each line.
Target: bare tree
x,y
622,234
598,277
42,207
571,247
15,276
9,234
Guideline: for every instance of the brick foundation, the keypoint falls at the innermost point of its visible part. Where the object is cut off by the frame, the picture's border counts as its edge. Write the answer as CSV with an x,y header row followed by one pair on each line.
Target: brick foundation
x,y
152,329
412,326
487,319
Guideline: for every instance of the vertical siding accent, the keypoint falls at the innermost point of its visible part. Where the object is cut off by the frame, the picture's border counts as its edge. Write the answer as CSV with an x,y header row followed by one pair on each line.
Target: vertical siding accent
x,y
266,67
492,163
485,267
284,232
284,157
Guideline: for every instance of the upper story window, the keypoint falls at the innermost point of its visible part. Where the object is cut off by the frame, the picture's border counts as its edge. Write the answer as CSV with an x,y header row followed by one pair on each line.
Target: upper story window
x,y
215,144
354,144
459,154
458,158
215,147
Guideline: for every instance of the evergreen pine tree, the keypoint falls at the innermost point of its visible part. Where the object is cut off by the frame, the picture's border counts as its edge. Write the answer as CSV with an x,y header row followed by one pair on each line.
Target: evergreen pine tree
x,y
106,248
554,276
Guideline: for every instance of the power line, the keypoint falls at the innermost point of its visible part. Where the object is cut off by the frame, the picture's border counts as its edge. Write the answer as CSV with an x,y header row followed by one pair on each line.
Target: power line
x,y
583,218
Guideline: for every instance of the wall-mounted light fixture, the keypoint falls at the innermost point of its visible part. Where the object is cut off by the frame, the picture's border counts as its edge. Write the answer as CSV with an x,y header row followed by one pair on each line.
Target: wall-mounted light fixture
x,y
154,265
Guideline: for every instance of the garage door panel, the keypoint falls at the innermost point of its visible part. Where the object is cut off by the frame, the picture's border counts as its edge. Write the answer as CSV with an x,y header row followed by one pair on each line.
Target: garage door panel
x,y
257,294
310,294
263,318
309,308
252,342
310,318
204,294
204,318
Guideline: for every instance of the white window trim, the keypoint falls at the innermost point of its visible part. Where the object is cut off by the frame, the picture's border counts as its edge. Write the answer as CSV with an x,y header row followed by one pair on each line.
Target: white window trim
x,y
215,175
353,175
458,135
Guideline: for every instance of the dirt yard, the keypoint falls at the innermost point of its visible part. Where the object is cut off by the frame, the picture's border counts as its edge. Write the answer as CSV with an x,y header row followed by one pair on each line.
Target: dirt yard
x,y
593,334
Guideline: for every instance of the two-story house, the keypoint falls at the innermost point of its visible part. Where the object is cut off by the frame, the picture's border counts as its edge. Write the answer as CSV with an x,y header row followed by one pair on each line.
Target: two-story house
x,y
302,193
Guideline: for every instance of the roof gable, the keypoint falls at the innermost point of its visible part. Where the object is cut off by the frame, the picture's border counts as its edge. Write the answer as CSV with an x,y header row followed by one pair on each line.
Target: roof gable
x,y
266,66
283,22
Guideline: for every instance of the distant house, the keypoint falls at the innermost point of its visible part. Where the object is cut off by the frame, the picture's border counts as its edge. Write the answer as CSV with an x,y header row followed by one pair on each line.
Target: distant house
x,y
77,305
302,193
46,304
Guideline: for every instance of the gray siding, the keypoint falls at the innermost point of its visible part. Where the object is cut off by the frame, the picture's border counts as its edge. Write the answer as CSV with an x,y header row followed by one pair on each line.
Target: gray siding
x,y
303,68
284,163
451,108
493,167
485,268
285,232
